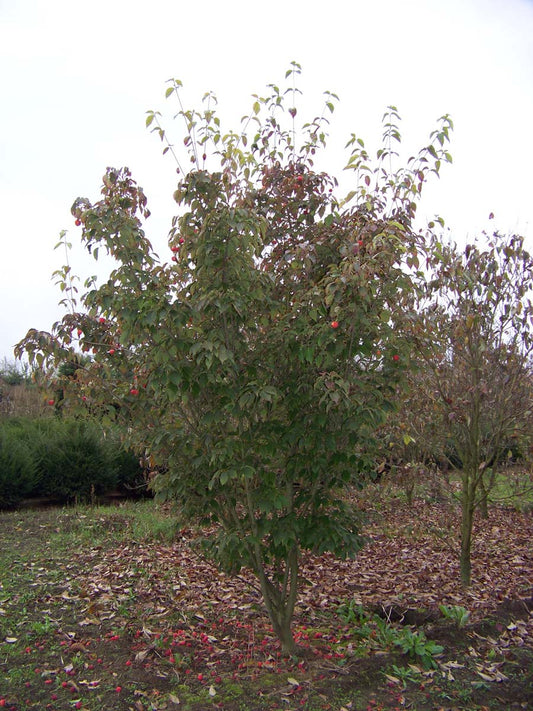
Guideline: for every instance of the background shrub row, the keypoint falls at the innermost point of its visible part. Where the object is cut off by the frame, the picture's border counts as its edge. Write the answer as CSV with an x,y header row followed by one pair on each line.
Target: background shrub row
x,y
64,459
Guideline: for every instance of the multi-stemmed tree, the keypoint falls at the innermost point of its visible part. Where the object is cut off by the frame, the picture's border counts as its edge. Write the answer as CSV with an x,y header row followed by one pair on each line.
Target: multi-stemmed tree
x,y
254,364
473,334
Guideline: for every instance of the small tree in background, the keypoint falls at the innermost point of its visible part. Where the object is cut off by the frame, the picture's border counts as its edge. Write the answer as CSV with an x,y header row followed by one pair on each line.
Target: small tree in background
x,y
473,334
256,363
413,441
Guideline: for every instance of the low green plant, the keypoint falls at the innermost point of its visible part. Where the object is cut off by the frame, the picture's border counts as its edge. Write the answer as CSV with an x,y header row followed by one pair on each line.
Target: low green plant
x,y
456,613
41,627
403,675
418,647
352,613
384,634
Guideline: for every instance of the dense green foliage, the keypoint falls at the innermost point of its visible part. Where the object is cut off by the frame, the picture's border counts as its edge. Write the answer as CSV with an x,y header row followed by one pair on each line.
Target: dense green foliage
x,y
64,459
18,468
255,365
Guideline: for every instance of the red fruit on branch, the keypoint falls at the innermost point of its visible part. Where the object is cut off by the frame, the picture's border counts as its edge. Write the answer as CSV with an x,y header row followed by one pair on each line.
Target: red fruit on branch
x,y
134,391
111,351
50,402
396,357
334,324
78,222
101,319
175,249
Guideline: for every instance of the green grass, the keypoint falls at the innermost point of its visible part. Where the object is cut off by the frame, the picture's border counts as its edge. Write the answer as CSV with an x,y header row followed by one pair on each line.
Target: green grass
x,y
513,488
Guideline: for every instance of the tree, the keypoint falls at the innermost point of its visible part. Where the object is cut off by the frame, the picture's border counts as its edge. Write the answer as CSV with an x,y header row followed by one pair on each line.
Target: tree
x,y
254,366
472,332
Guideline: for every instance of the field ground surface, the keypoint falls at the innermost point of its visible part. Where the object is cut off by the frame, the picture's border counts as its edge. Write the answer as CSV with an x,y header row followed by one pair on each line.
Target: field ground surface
x,y
114,608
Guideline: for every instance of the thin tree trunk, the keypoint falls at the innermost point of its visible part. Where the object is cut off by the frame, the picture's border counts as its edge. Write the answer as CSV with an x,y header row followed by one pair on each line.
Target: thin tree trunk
x,y
467,522
279,599
280,602
483,502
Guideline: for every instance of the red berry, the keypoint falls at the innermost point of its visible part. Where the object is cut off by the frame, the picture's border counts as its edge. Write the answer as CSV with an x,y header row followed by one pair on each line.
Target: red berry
x,y
396,357
101,319
175,249
78,222
334,324
111,351
182,240
50,402
118,689
134,391
174,259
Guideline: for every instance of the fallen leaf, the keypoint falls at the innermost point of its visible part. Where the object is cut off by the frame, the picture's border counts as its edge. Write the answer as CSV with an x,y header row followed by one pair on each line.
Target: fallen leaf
x,y
141,656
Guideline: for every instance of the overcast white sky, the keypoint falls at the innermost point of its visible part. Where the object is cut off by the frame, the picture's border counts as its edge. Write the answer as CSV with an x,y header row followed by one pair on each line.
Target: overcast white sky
x,y
78,77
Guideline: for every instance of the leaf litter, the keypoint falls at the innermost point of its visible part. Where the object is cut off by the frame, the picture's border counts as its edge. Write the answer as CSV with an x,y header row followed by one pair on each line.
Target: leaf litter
x,y
176,619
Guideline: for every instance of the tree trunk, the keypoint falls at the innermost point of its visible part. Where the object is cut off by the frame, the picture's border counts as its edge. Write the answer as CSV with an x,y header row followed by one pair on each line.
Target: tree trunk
x,y
281,625
467,522
483,503
280,601
486,485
